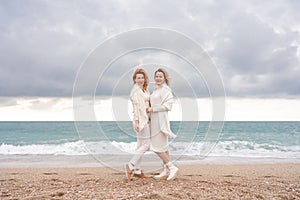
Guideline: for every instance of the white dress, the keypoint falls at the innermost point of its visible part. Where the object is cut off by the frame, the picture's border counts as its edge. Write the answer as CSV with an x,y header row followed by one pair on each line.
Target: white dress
x,y
161,101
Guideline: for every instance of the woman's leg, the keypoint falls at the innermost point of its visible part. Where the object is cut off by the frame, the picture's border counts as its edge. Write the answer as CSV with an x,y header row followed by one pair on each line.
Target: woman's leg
x,y
144,140
170,170
131,165
144,145
136,159
164,156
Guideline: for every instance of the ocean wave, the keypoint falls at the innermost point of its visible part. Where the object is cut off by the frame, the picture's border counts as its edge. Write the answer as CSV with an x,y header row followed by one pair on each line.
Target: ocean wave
x,y
222,148
249,149
69,148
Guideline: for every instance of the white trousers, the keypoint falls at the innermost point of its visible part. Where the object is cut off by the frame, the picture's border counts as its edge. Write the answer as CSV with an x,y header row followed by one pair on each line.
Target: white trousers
x,y
143,145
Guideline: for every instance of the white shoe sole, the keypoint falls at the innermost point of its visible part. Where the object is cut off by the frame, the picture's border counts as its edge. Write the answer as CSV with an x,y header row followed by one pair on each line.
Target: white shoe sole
x,y
174,176
160,177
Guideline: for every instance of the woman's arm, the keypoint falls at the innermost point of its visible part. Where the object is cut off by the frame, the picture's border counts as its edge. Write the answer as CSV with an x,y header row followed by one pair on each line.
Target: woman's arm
x,y
167,101
135,107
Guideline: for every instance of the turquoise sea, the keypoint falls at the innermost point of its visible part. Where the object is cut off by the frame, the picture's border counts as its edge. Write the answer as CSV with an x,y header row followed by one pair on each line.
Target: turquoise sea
x,y
89,143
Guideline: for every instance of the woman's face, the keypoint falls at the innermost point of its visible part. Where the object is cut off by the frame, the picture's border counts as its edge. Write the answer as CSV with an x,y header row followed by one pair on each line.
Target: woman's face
x,y
139,79
159,78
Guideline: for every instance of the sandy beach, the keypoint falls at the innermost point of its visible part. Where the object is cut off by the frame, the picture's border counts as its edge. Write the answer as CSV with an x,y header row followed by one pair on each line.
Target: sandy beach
x,y
202,181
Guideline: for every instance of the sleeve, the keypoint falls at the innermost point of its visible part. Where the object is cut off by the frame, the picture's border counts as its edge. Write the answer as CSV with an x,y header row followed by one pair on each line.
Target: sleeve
x,y
167,101
135,106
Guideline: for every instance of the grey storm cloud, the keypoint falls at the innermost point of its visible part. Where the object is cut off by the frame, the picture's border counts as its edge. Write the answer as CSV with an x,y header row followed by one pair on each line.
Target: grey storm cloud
x,y
254,44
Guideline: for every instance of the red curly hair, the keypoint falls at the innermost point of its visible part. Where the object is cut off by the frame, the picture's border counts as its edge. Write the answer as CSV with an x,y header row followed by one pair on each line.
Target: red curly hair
x,y
141,71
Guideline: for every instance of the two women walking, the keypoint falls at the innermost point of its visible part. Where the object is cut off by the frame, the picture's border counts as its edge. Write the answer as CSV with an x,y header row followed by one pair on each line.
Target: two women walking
x,y
151,123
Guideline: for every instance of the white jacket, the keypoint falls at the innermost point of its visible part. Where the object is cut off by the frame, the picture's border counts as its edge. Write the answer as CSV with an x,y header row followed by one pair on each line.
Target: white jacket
x,y
166,98
139,104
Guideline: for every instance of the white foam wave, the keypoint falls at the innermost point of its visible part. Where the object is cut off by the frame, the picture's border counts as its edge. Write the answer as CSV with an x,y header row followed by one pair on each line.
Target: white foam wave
x,y
70,148
244,149
225,148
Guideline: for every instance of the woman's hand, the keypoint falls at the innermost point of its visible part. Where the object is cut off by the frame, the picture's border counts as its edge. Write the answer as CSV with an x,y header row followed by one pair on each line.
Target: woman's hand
x,y
137,127
148,110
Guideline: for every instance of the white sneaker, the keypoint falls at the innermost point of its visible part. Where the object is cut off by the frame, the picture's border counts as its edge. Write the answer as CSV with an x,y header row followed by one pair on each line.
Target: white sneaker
x,y
173,173
163,174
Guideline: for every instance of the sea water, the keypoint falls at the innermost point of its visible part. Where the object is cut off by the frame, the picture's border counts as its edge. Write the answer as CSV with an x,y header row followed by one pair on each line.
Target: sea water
x,y
89,143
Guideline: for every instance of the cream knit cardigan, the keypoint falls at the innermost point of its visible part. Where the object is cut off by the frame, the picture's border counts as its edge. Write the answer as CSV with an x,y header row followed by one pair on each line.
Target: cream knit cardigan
x,y
167,99
139,105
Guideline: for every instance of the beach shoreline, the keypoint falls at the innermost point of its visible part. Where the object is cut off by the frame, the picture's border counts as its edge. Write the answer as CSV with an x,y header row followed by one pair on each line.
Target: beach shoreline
x,y
195,181
116,161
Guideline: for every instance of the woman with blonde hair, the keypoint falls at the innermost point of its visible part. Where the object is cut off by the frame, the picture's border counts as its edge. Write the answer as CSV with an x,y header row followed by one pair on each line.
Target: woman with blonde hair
x,y
161,102
139,97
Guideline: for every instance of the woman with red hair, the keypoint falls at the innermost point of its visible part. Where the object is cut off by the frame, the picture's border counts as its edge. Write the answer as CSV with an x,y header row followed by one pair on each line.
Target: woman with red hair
x,y
140,98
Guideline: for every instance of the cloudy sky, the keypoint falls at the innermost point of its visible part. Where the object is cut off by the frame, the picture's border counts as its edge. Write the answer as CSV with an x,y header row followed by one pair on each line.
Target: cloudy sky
x,y
254,44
